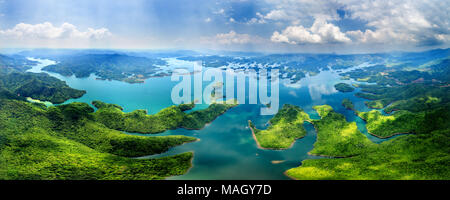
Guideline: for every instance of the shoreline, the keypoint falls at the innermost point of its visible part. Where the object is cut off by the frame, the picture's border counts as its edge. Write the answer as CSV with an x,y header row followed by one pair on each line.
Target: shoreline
x,y
291,177
265,148
191,165
382,137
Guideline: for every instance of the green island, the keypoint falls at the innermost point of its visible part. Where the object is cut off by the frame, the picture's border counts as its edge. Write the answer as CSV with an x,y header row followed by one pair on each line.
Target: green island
x,y
344,87
169,118
400,122
336,137
14,64
120,67
65,142
285,127
423,155
348,104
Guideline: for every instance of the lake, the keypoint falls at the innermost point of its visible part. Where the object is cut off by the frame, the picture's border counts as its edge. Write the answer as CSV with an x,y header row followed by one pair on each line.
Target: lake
x,y
226,149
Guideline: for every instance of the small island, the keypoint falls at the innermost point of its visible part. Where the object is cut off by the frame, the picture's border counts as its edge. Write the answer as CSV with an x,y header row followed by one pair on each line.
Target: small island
x,y
120,67
344,87
285,127
348,104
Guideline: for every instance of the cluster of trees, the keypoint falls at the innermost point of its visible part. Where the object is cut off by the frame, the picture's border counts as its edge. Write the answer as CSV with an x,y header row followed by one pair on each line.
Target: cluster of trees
x,y
337,137
344,87
169,118
423,155
285,127
65,142
115,66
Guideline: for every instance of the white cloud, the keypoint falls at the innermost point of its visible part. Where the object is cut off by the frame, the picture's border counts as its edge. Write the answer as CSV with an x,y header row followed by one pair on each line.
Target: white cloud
x,y
419,22
231,38
48,31
208,20
395,22
220,12
276,15
319,32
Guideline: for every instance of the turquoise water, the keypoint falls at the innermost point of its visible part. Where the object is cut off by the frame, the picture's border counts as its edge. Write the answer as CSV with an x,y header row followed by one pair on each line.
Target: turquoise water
x,y
226,149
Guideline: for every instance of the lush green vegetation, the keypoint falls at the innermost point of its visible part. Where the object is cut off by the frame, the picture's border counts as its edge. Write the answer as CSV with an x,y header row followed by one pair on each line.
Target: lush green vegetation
x,y
336,137
64,142
348,104
285,127
16,84
169,118
38,86
414,97
107,66
14,64
423,155
344,87
406,157
386,126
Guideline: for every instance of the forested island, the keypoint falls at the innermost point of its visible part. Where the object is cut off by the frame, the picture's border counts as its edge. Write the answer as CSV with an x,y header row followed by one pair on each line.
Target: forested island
x,y
284,128
113,66
344,87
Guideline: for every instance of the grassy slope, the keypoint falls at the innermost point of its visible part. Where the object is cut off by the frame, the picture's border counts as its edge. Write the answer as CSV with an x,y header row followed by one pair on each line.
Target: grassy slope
x,y
337,137
285,127
169,118
65,143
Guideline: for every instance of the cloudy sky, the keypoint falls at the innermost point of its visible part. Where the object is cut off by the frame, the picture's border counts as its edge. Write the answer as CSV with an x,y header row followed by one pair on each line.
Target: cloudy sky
x,y
339,26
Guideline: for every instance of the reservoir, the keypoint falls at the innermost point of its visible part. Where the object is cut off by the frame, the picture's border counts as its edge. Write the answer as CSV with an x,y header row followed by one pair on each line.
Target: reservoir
x,y
226,149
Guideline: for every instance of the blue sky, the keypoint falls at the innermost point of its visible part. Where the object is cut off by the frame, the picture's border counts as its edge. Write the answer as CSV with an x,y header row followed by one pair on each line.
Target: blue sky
x,y
267,25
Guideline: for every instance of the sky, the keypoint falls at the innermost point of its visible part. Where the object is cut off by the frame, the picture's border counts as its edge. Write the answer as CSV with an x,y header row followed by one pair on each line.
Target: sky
x,y
312,26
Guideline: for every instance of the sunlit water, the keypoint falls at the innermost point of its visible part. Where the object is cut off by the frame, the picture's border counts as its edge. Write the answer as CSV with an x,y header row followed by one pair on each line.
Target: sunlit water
x,y
226,149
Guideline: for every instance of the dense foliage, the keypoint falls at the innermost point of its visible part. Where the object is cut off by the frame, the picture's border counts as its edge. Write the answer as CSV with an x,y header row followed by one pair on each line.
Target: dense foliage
x,y
423,155
412,157
107,66
336,137
14,63
169,118
344,87
386,126
38,86
64,142
348,104
285,127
